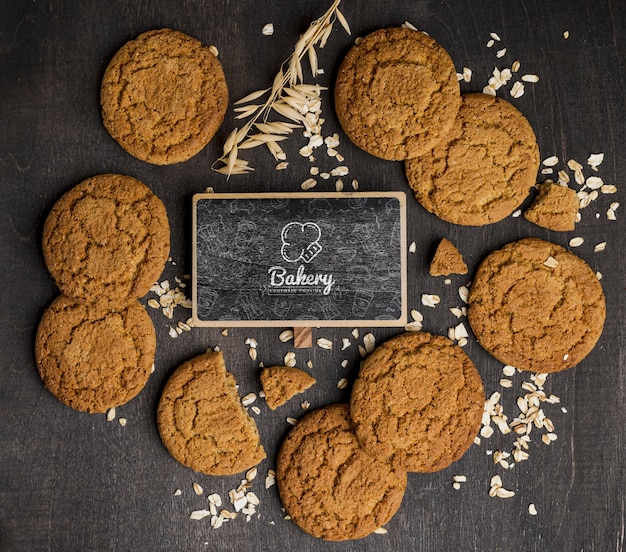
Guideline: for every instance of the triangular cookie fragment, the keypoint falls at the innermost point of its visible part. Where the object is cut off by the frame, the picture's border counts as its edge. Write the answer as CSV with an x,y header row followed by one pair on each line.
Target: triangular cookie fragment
x,y
447,260
554,208
281,383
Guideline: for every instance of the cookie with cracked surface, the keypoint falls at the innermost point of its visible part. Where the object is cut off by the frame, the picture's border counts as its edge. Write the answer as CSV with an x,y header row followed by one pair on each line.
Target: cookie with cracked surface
x,y
396,93
107,240
92,359
163,96
202,422
447,260
281,383
536,306
555,207
329,485
484,169
417,402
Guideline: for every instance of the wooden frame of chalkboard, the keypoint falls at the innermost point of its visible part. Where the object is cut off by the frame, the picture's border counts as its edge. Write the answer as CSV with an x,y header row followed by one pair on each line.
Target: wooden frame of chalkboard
x,y
306,259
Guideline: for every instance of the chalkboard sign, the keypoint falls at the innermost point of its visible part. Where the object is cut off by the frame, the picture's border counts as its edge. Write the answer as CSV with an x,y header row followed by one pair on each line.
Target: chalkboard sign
x,y
303,259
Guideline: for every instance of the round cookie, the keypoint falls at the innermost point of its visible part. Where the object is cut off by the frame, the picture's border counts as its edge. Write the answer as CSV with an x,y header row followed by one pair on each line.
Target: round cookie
x,y
202,422
163,96
536,306
417,402
396,93
484,169
92,359
107,240
329,485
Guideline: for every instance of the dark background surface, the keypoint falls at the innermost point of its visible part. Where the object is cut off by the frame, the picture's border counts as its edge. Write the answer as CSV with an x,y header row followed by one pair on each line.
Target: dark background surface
x,y
73,481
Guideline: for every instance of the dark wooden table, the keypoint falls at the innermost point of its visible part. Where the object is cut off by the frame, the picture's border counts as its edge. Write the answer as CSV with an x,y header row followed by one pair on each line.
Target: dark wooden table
x,y
73,481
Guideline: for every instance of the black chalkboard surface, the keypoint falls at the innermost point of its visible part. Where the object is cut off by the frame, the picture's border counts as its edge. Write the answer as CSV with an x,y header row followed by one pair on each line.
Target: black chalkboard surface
x,y
304,259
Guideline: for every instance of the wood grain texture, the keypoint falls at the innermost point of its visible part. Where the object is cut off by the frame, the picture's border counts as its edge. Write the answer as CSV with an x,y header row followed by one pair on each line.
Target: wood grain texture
x,y
71,481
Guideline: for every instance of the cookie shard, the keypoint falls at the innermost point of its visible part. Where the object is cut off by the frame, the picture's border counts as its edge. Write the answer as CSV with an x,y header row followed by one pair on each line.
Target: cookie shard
x,y
202,422
163,96
281,383
93,359
447,260
329,485
483,170
555,207
106,240
536,306
396,93
417,402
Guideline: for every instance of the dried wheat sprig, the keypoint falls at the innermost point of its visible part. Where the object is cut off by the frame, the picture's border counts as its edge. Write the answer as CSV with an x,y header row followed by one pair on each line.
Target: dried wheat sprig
x,y
289,96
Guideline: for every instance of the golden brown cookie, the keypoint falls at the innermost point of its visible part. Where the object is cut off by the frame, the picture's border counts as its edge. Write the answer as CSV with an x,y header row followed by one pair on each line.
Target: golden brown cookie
x,y
447,260
417,402
163,96
93,358
397,93
281,383
107,240
484,169
202,422
554,208
329,485
536,306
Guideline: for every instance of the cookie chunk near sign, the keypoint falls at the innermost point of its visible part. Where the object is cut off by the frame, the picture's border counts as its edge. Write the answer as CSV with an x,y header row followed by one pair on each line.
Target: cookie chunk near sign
x,y
300,259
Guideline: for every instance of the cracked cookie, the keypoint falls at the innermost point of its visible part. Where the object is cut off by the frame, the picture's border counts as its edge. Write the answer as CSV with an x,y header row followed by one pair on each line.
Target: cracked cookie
x,y
417,402
202,422
163,96
92,359
329,485
485,167
536,306
396,93
555,207
281,383
106,240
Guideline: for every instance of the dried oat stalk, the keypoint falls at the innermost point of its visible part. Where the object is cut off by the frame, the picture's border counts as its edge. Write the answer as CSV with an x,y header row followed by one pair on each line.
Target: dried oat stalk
x,y
289,97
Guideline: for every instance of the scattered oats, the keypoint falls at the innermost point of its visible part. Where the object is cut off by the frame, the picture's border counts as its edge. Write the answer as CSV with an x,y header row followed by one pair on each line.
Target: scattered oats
x,y
506,383
154,304
532,510
565,35
460,478
369,341
412,247
224,332
214,50
111,414
477,440
355,184
551,262
460,331
178,492
489,91
515,67
517,90
594,160
290,359
456,311
362,351
339,171
594,182
256,410
495,36
430,300
547,170
292,421
574,165
486,432
530,78
355,333
252,353
345,343
268,29
579,177
248,399
550,161
508,370
344,363
305,405
504,493
342,383
324,343
282,166
608,189
325,175
464,293
490,43
599,275
500,53
380,531
414,326
456,486
339,185
199,514
576,242
215,499
270,479
599,247
122,421
197,489
408,25
309,364
173,332
447,281
467,74
546,439
417,315
308,184
286,335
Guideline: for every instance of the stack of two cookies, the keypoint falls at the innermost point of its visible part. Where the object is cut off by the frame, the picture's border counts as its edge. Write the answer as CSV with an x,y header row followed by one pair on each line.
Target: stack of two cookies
x,y
105,243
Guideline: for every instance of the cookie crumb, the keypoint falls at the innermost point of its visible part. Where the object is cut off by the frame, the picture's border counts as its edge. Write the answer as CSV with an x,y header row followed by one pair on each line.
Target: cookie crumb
x,y
447,260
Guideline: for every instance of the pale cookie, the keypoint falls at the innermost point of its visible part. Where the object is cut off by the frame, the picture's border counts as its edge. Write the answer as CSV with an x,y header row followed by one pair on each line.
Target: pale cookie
x,y
202,422
417,402
330,487
536,306
396,93
93,359
485,167
163,96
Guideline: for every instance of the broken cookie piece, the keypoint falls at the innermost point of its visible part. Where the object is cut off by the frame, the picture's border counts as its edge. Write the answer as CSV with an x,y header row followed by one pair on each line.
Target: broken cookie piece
x,y
202,422
447,260
554,208
281,383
